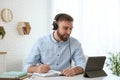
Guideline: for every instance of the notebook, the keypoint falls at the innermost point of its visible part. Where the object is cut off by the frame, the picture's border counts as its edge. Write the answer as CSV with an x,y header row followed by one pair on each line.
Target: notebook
x,y
94,67
51,73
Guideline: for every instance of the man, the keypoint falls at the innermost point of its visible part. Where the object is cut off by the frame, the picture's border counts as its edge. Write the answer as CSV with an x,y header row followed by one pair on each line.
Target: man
x,y
57,50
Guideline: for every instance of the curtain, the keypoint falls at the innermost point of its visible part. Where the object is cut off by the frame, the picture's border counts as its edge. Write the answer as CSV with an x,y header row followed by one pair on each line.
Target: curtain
x,y
96,23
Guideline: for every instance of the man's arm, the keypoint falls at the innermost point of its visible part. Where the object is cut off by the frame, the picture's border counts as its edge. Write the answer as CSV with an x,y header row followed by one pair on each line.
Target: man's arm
x,y
43,68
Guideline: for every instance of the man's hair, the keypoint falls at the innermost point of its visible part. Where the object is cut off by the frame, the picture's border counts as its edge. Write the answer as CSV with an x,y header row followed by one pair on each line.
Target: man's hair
x,y
63,17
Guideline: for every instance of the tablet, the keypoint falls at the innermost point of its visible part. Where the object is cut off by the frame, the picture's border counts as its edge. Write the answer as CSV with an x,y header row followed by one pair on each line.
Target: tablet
x,y
94,67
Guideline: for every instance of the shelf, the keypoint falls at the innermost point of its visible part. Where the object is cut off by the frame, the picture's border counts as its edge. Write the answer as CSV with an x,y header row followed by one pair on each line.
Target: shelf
x,y
3,52
2,32
6,15
24,28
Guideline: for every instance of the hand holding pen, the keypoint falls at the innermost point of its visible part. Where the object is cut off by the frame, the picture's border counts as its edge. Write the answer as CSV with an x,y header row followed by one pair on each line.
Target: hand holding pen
x,y
43,68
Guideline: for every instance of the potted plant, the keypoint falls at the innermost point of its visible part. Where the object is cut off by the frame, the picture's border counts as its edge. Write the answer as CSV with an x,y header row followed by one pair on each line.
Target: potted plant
x,y
114,63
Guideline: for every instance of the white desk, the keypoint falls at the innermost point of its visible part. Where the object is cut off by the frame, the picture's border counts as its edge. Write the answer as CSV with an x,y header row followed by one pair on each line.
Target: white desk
x,y
77,77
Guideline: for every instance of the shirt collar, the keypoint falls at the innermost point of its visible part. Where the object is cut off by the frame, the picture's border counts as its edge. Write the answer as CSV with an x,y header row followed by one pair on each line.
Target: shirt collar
x,y
52,37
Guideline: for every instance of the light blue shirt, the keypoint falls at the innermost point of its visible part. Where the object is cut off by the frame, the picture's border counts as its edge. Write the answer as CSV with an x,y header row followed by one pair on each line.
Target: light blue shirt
x,y
56,54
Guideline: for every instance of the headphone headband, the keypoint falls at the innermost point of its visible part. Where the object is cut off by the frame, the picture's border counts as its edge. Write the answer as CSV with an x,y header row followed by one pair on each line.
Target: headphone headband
x,y
58,16
61,16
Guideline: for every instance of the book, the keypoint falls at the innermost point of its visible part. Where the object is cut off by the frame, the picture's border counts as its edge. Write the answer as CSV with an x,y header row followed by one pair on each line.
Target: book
x,y
51,73
21,78
13,75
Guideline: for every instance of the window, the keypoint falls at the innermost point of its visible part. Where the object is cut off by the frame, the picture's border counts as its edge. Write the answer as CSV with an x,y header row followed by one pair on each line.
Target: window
x,y
96,23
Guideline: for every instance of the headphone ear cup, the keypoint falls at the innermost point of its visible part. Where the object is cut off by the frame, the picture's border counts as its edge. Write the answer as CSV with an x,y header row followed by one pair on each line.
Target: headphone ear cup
x,y
55,26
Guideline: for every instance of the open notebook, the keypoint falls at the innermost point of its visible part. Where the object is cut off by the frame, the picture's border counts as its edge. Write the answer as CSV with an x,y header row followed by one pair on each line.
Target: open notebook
x,y
51,73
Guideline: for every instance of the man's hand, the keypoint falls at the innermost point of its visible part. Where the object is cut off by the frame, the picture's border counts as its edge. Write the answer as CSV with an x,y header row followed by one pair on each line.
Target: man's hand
x,y
43,68
68,72
72,71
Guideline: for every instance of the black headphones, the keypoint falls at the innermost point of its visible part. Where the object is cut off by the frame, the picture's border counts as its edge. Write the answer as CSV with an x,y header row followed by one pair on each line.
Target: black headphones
x,y
55,25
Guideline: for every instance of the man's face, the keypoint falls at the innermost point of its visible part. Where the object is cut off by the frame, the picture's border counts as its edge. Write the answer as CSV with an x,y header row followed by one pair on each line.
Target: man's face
x,y
64,29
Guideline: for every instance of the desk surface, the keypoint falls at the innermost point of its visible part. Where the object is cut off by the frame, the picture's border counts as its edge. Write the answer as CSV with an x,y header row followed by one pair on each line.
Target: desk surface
x,y
77,77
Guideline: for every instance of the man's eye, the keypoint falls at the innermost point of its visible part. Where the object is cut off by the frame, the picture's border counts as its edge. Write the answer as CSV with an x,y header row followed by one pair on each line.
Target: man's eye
x,y
65,28
71,28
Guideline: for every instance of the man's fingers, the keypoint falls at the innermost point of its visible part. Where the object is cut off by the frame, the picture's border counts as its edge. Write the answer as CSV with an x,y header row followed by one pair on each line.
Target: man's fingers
x,y
43,68
65,71
68,72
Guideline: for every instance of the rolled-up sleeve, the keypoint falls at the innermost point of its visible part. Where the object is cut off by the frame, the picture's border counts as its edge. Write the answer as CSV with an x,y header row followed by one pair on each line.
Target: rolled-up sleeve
x,y
78,56
32,58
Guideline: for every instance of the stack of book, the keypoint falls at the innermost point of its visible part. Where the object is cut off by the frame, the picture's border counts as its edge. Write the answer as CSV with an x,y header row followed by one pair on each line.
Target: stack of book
x,y
14,75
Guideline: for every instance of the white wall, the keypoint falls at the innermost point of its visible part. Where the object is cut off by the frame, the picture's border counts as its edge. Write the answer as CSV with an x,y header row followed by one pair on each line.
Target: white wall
x,y
18,46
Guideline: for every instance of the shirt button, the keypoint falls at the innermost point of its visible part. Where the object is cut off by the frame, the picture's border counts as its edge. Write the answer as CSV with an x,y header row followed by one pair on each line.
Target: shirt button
x,y
58,55
58,46
57,64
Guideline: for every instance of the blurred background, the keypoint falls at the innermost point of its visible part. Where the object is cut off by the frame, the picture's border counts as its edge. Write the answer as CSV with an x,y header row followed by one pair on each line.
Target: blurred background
x,y
96,26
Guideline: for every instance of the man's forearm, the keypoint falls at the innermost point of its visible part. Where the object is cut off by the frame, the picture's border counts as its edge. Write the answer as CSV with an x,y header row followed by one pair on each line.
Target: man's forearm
x,y
43,68
77,70
32,69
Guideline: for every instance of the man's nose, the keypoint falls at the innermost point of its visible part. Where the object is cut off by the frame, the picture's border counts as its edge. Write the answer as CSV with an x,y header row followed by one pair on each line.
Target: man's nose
x,y
69,31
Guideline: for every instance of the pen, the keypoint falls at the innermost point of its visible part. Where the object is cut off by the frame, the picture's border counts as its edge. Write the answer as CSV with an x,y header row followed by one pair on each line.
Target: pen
x,y
41,63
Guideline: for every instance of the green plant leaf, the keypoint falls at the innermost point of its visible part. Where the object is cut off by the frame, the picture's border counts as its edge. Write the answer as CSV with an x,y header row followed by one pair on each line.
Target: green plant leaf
x,y
114,63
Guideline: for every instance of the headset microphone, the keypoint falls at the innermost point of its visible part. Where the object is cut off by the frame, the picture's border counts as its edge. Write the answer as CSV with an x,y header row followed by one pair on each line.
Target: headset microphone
x,y
70,54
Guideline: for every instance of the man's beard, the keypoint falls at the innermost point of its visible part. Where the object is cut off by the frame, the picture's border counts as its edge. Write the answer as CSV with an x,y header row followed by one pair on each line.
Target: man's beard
x,y
62,37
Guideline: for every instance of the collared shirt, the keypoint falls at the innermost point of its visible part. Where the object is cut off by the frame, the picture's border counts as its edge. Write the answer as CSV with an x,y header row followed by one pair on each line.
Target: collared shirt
x,y
56,54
